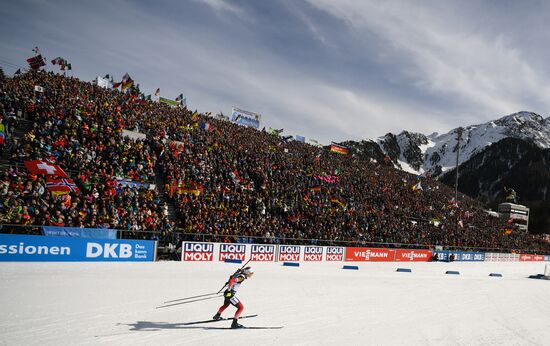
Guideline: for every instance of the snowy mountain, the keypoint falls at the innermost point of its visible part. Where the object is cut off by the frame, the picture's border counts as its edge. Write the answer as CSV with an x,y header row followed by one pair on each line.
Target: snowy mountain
x,y
436,154
513,151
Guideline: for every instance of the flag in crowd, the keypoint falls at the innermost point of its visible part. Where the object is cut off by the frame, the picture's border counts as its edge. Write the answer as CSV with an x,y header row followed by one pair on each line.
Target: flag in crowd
x,y
182,100
300,138
2,133
42,167
340,149
36,62
417,186
125,83
273,131
63,64
338,201
157,92
18,71
61,186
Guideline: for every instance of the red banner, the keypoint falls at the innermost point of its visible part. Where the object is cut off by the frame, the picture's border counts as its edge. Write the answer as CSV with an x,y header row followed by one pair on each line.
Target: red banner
x,y
413,255
363,254
530,258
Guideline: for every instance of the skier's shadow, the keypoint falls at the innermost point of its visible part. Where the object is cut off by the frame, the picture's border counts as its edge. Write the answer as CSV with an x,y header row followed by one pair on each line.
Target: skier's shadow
x,y
147,326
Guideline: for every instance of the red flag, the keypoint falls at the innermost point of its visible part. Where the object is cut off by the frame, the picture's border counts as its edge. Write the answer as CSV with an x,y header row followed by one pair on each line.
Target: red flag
x,y
41,167
61,186
36,62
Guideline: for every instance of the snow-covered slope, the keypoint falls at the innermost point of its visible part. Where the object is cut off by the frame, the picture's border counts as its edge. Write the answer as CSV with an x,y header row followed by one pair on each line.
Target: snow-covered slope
x,y
436,153
317,303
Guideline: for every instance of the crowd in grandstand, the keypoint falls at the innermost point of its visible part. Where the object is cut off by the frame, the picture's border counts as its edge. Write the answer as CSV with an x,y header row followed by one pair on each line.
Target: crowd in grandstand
x,y
231,181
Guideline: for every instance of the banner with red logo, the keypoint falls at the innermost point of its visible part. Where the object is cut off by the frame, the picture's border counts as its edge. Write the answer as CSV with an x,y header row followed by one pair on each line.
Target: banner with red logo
x,y
232,251
413,255
334,253
289,253
313,253
363,254
192,251
530,258
263,253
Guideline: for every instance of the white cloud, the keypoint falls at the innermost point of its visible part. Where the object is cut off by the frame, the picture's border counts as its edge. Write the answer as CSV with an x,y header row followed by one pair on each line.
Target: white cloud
x,y
448,58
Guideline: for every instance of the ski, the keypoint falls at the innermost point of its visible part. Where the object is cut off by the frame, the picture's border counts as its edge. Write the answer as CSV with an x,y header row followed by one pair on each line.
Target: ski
x,y
186,302
227,328
221,319
279,327
199,296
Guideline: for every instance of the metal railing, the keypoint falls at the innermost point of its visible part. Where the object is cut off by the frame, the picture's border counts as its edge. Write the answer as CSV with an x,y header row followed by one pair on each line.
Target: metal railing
x,y
176,236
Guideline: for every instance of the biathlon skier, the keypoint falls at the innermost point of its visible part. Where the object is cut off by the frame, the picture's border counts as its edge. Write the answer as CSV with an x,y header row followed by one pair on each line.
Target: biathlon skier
x,y
229,294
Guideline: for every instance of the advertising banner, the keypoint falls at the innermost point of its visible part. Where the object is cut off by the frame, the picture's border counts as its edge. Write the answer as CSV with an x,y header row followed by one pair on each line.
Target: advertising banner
x,y
413,255
531,258
103,82
31,248
547,258
334,253
289,253
362,254
169,102
472,257
461,256
97,233
264,253
313,253
195,251
232,251
245,118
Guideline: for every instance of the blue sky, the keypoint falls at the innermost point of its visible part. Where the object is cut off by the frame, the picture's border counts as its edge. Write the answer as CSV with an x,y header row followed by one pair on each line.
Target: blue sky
x,y
329,70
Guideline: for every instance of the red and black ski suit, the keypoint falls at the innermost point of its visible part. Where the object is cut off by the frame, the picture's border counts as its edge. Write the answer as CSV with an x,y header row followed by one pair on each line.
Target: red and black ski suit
x,y
232,287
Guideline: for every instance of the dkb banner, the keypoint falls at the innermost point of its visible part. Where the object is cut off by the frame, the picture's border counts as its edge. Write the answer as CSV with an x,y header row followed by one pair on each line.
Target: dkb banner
x,y
30,248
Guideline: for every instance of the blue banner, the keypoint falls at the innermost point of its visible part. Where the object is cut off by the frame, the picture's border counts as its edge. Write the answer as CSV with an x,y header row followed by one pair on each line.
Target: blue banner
x,y
547,258
97,233
133,184
245,118
461,256
30,248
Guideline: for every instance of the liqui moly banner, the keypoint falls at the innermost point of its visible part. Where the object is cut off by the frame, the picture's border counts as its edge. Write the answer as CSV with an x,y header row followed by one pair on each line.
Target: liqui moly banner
x,y
289,253
413,255
264,253
313,253
192,251
334,253
363,254
232,251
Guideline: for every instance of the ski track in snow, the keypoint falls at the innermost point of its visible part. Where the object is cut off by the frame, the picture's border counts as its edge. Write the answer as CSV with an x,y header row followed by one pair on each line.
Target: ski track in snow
x,y
317,303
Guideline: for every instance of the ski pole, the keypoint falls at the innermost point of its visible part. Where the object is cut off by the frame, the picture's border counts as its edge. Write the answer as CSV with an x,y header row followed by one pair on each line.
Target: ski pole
x,y
199,296
189,301
244,265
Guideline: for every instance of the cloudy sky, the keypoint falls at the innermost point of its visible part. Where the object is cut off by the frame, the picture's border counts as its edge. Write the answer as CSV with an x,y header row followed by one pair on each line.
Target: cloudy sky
x,y
326,69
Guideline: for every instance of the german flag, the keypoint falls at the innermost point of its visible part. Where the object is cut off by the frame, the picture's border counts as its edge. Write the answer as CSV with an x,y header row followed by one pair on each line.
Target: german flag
x,y
336,148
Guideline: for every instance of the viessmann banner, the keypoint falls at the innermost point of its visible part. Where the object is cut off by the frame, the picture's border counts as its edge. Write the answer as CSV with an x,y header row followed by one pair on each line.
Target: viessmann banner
x,y
29,248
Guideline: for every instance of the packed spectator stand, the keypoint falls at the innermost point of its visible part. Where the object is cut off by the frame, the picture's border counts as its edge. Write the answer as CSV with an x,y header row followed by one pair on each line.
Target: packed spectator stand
x,y
224,182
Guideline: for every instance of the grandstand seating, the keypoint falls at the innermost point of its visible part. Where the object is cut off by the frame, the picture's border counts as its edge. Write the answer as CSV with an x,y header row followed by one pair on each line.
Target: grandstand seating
x,y
221,178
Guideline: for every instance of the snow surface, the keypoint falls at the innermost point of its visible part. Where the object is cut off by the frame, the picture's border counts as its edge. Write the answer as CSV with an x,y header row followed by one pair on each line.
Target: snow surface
x,y
317,303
